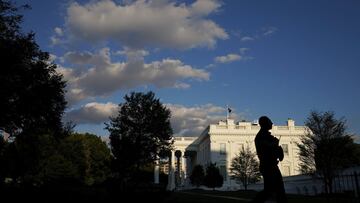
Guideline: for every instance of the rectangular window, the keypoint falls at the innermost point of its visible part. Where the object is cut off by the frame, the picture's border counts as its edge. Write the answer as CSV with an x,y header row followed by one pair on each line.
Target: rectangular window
x,y
222,170
285,149
222,148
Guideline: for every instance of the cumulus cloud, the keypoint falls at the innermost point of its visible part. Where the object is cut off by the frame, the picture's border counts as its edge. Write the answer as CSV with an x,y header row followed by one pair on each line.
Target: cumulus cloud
x,y
101,76
204,7
191,121
92,113
57,37
185,121
228,58
79,58
133,54
143,23
233,57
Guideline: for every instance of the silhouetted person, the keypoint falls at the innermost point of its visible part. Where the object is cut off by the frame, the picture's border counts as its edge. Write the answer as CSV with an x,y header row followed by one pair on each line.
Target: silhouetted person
x,y
269,153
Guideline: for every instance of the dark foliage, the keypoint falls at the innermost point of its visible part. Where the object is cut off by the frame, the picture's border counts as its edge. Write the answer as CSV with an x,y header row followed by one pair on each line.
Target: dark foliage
x,y
213,177
43,161
245,168
139,133
197,176
326,149
32,92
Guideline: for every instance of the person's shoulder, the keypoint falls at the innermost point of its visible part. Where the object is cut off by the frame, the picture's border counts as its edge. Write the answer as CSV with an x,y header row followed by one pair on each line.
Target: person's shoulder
x,y
274,138
259,135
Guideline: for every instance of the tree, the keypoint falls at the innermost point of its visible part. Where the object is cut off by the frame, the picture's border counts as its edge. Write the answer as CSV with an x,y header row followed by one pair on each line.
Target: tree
x,y
197,176
3,145
90,156
81,159
245,167
356,154
139,133
213,177
32,92
326,148
31,160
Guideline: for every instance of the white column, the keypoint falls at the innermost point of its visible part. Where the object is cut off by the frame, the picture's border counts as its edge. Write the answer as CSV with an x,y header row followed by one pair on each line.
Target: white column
x,y
183,167
171,176
156,171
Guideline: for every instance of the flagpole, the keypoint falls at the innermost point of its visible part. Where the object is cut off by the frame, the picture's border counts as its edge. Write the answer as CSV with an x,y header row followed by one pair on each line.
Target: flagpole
x,y
227,112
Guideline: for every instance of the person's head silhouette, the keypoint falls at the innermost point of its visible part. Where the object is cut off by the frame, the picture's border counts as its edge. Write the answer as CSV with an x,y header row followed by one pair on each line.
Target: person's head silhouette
x,y
265,123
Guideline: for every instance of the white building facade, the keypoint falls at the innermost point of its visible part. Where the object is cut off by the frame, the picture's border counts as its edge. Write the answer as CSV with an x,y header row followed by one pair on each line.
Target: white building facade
x,y
220,143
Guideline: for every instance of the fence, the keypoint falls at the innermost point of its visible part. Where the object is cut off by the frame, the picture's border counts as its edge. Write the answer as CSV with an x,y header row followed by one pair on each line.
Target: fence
x,y
307,185
345,183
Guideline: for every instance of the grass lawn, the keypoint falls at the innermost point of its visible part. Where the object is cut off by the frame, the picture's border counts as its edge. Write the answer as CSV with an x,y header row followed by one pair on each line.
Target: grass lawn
x,y
93,194
243,196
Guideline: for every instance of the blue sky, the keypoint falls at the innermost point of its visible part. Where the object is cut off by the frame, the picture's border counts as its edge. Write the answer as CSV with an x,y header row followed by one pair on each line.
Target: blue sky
x,y
276,58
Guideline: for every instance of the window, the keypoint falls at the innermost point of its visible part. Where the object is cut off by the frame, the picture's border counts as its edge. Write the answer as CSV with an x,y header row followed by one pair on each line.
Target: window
x,y
222,170
222,148
285,149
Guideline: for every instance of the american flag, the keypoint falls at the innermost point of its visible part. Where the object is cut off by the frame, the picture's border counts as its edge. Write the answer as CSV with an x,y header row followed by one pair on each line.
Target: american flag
x,y
229,110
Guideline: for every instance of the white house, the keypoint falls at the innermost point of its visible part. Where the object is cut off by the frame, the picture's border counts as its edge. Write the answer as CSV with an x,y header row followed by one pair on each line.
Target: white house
x,y
220,143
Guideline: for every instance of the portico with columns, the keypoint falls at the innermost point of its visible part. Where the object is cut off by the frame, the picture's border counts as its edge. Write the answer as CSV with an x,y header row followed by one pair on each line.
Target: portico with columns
x,y
181,162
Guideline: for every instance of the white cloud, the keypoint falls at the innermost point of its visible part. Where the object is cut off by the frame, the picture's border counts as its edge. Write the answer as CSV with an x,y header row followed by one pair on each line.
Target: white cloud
x,y
204,7
57,37
263,32
58,31
133,54
92,113
233,57
181,85
78,58
55,40
228,58
102,76
142,23
191,121
211,65
52,58
247,38
73,94
67,73
269,31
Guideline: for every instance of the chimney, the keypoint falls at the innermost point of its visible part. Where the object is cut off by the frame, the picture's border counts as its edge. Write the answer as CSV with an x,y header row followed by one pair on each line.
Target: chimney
x,y
290,122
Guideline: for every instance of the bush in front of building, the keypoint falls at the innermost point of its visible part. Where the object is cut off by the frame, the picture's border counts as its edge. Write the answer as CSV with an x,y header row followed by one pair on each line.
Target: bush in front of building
x,y
197,176
213,178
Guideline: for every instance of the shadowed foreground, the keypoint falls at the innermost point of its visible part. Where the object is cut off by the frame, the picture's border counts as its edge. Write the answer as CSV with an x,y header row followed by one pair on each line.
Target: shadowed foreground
x,y
100,194
246,196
